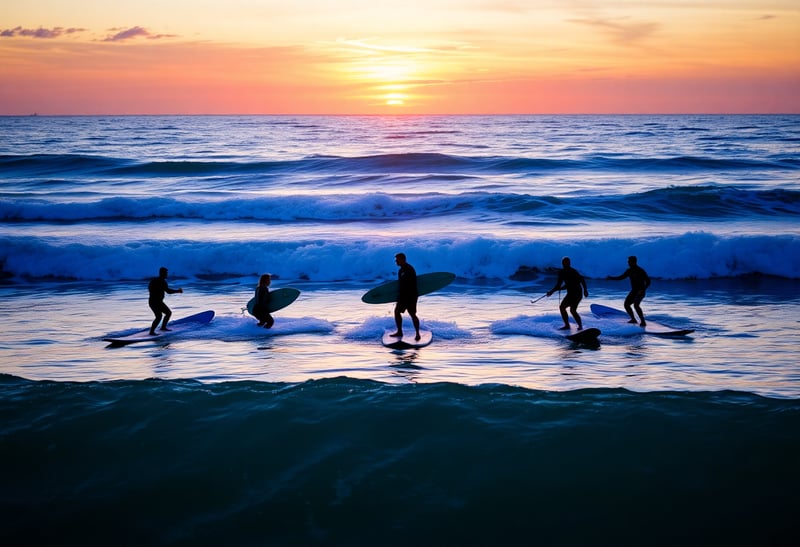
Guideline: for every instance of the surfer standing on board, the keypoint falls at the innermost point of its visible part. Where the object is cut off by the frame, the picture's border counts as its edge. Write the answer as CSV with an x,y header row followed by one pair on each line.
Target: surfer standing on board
x,y
158,287
570,278
406,295
261,308
639,283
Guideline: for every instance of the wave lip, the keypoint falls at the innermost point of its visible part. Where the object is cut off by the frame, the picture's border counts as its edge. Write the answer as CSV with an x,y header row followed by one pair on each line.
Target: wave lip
x,y
695,255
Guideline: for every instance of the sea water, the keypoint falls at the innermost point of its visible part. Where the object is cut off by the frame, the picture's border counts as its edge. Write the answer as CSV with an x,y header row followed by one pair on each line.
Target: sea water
x,y
312,433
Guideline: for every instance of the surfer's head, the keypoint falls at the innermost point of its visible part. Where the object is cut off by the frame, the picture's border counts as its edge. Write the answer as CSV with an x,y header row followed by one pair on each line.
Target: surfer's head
x,y
566,262
400,259
162,271
632,260
265,280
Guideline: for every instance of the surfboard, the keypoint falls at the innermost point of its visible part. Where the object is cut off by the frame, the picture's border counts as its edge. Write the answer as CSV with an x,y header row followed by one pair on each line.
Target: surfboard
x,y
606,312
278,299
407,341
585,336
426,283
175,328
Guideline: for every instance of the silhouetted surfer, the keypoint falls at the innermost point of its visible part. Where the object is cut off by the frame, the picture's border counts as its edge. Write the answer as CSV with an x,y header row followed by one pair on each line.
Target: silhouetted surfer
x,y
261,307
639,283
576,289
406,295
158,287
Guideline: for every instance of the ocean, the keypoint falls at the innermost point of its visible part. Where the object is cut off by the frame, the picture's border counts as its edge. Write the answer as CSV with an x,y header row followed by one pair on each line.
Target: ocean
x,y
501,432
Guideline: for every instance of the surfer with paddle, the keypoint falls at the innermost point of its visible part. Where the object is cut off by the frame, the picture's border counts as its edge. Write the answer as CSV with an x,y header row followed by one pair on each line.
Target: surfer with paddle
x,y
158,287
407,295
575,284
639,283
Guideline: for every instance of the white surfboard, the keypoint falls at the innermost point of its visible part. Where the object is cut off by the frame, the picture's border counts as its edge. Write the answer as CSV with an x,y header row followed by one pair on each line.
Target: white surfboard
x,y
408,340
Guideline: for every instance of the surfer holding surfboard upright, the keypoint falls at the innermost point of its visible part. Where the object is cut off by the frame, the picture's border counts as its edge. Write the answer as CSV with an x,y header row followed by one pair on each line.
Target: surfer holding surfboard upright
x,y
406,295
261,308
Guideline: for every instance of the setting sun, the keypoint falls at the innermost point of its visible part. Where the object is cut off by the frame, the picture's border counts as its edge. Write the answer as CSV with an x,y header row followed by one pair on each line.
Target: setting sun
x,y
395,99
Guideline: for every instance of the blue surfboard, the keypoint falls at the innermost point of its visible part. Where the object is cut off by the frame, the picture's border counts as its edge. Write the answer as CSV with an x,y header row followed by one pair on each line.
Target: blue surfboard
x,y
175,328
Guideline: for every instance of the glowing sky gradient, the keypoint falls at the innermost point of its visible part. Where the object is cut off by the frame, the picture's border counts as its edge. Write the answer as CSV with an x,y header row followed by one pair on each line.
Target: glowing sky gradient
x,y
380,57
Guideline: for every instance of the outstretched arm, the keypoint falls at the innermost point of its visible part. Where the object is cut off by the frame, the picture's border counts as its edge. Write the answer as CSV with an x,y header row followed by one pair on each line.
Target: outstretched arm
x,y
618,277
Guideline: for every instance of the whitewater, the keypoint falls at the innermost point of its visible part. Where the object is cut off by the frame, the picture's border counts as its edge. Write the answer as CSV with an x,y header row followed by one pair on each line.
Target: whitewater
x,y
313,433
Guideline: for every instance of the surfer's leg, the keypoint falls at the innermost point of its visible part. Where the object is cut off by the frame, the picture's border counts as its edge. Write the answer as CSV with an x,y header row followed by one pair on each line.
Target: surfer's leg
x,y
155,324
574,311
412,311
563,309
577,318
268,321
628,301
398,321
415,321
167,315
636,304
157,312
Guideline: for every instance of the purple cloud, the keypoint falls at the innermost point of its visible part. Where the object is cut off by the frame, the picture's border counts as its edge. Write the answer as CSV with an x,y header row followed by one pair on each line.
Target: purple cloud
x,y
40,32
135,32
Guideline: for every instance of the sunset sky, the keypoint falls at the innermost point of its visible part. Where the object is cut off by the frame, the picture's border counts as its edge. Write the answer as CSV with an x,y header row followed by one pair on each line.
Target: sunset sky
x,y
404,56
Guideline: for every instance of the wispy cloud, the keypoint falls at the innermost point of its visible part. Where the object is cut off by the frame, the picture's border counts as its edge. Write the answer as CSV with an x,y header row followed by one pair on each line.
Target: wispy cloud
x,y
365,45
622,32
134,32
40,32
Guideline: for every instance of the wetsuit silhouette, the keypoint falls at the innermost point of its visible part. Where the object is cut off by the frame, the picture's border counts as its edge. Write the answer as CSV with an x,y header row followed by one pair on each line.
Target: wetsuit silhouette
x,y
407,295
261,308
640,281
575,284
158,287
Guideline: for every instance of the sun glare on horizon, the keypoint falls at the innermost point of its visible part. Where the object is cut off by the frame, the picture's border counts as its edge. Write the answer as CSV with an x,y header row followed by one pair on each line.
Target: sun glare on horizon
x,y
386,80
395,99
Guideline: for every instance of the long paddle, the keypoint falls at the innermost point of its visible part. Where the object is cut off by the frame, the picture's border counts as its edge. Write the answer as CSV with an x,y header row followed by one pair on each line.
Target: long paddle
x,y
535,301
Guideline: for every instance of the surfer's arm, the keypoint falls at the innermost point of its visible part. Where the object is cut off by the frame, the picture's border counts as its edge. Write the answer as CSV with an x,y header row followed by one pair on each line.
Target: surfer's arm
x,y
557,286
